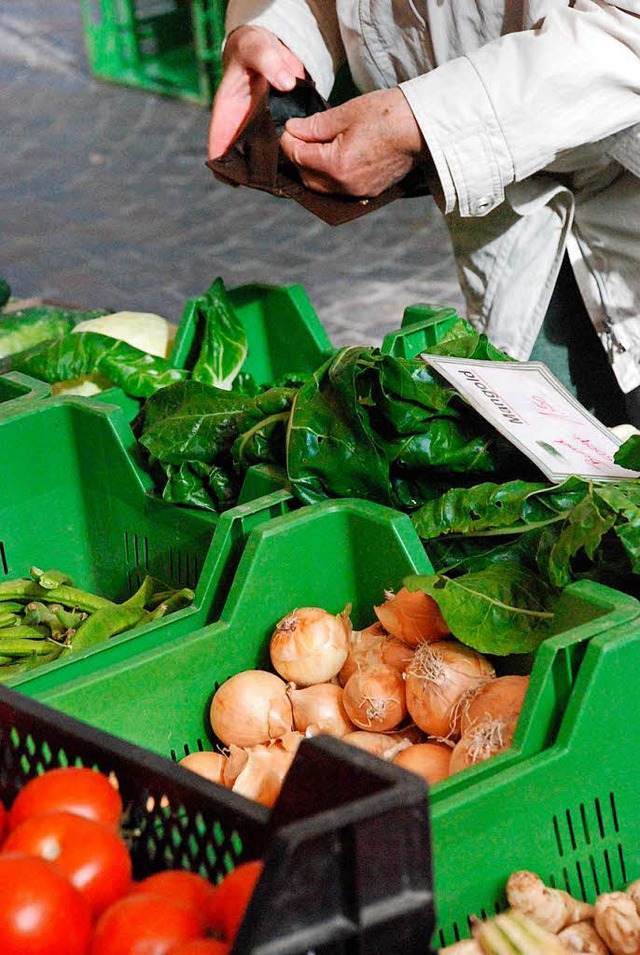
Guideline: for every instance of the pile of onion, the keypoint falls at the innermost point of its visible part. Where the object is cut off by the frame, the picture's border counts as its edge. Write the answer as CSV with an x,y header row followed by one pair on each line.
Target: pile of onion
x,y
403,689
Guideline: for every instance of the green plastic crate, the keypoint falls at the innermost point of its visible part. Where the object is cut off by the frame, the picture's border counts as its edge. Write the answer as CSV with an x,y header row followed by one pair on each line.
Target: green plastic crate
x,y
73,498
423,325
16,387
172,47
341,551
284,334
329,554
568,812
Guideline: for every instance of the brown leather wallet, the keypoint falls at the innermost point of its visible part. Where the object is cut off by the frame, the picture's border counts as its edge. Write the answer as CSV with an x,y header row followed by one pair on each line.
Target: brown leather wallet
x,y
256,160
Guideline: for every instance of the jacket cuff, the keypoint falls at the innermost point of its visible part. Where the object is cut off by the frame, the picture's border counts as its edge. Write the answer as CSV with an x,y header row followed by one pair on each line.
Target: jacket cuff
x,y
467,145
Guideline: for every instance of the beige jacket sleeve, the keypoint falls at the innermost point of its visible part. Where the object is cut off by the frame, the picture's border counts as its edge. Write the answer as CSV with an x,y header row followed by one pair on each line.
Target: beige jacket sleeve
x,y
518,104
308,27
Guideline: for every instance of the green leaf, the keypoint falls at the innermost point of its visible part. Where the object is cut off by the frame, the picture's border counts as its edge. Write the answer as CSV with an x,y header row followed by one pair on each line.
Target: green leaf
x,y
29,327
330,452
224,345
84,353
488,508
191,421
502,609
628,454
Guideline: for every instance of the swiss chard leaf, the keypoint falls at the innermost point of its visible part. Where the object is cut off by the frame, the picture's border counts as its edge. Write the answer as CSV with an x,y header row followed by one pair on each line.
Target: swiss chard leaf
x,y
329,449
83,353
374,426
628,454
490,508
191,421
503,608
30,326
223,342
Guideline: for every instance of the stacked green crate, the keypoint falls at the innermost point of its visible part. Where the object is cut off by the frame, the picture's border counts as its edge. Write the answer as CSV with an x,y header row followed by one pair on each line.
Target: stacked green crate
x,y
172,47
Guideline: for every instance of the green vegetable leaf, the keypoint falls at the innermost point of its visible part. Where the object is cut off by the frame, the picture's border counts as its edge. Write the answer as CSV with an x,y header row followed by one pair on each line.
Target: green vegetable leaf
x,y
223,342
31,326
489,508
192,421
383,428
628,454
82,353
502,609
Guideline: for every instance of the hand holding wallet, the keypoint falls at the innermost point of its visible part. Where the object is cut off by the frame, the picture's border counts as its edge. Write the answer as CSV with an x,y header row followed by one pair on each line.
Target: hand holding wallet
x,y
256,160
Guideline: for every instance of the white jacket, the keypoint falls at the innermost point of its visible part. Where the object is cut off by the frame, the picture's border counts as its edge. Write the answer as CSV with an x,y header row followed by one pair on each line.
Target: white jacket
x,y
531,111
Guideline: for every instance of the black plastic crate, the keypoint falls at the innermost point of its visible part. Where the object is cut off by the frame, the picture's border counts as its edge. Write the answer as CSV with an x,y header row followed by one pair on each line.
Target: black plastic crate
x,y
346,849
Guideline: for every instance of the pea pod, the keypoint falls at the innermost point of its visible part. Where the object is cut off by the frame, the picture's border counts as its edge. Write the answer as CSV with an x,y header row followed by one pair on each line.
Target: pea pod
x,y
24,647
23,588
103,624
49,579
8,670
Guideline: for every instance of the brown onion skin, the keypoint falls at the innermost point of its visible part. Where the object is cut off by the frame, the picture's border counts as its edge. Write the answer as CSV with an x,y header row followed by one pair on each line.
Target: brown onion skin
x,y
413,617
442,672
251,707
374,699
430,760
501,698
207,764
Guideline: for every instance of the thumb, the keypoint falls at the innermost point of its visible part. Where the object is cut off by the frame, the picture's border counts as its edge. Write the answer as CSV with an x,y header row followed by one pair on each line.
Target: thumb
x,y
320,127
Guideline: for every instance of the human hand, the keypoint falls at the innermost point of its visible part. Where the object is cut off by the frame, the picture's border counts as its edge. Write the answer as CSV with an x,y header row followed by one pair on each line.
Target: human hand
x,y
253,59
359,148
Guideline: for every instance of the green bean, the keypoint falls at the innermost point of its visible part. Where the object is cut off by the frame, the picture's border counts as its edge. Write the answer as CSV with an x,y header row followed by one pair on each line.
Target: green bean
x,y
49,579
9,670
23,647
64,594
8,619
25,632
104,623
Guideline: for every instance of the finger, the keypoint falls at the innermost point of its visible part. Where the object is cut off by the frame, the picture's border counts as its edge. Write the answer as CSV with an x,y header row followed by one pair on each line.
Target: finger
x,y
318,128
315,163
232,106
263,53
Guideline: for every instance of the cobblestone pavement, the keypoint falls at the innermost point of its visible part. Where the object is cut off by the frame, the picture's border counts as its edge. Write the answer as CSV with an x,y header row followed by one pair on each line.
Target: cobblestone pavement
x,y
105,201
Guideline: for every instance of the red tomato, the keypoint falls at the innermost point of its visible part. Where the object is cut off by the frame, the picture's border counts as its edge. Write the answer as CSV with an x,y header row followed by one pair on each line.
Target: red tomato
x,y
191,889
149,924
68,789
4,821
202,946
94,858
231,897
40,909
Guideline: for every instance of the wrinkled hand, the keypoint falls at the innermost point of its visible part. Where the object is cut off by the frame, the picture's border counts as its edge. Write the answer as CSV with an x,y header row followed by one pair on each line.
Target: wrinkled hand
x,y
359,148
253,58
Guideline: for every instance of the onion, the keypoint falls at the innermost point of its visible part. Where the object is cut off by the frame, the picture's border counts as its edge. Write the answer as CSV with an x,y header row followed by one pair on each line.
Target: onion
x,y
207,764
499,699
251,707
375,698
488,720
319,709
378,744
310,645
437,678
371,646
365,647
429,760
482,741
262,773
412,616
